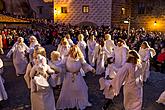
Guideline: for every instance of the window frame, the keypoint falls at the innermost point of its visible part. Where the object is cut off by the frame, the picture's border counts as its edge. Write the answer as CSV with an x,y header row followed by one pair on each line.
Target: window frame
x,y
85,10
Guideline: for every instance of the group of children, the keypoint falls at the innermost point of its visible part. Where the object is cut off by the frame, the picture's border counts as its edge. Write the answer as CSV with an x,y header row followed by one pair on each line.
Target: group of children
x,y
66,68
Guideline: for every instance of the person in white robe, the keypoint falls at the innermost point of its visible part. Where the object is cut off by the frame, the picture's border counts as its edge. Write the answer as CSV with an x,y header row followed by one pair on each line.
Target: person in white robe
x,y
42,97
105,81
31,64
145,53
82,44
19,50
74,92
129,75
63,48
56,64
69,40
33,42
109,43
99,57
3,93
120,54
91,43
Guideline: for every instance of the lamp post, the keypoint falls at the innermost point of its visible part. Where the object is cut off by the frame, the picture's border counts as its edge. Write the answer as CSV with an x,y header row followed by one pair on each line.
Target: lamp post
x,y
128,21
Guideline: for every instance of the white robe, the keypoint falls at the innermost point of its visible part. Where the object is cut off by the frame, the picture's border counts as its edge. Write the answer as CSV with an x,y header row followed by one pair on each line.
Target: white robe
x,y
31,49
19,59
42,99
109,45
105,83
27,74
63,50
3,94
70,42
99,58
130,76
59,67
82,45
74,92
145,58
120,55
91,46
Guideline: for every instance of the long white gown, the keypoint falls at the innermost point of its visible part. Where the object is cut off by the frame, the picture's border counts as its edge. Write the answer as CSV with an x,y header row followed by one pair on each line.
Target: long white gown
x,y
99,58
74,92
3,94
41,99
63,50
145,58
59,67
120,55
27,74
91,46
130,76
82,45
19,59
109,45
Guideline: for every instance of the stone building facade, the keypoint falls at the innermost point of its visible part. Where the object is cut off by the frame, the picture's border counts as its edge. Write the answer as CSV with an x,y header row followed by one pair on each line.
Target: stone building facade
x,y
97,12
42,8
121,11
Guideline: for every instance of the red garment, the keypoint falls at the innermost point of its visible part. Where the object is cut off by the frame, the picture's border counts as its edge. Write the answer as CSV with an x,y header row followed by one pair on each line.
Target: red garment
x,y
4,43
161,57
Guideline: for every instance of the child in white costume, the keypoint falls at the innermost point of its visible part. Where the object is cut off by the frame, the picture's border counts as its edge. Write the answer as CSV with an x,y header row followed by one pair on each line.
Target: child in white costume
x,y
19,50
3,94
63,48
129,76
145,53
105,82
42,97
57,64
74,92
91,43
99,57
82,44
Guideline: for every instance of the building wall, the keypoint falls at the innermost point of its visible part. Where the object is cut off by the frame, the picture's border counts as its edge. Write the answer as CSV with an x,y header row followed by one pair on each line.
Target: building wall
x,y
99,11
118,16
46,8
17,7
153,18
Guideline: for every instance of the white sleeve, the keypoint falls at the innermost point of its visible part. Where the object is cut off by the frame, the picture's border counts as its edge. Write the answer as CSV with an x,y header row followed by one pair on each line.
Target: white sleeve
x,y
124,56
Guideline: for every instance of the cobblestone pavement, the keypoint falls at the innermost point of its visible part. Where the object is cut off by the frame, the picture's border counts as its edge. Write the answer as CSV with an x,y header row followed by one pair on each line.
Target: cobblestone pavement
x,y
19,98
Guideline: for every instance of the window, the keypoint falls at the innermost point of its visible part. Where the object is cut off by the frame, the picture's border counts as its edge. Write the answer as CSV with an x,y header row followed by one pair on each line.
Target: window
x,y
123,11
63,9
149,7
141,8
85,9
40,9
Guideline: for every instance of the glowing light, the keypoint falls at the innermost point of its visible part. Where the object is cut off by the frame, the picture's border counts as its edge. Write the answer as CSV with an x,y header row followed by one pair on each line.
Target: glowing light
x,y
126,22
155,23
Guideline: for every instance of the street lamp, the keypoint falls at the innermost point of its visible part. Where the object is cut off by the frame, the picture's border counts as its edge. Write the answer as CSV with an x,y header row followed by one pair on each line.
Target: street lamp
x,y
128,21
155,23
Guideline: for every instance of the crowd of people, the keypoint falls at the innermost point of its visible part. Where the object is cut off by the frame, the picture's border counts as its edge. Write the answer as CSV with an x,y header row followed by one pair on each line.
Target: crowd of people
x,y
123,60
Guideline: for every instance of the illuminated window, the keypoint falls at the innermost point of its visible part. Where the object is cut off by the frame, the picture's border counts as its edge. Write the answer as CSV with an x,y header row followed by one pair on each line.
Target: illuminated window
x,y
63,9
85,9
123,11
